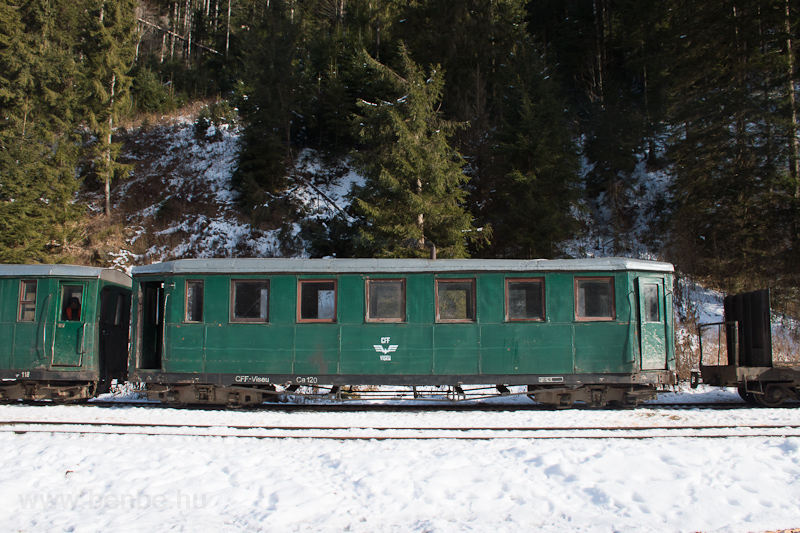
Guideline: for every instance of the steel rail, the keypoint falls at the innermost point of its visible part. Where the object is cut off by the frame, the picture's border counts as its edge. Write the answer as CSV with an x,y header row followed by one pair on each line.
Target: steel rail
x,y
401,433
418,405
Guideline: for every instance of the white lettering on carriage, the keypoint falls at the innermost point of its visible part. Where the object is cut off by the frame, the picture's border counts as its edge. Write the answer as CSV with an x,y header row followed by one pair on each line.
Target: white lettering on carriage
x,y
385,351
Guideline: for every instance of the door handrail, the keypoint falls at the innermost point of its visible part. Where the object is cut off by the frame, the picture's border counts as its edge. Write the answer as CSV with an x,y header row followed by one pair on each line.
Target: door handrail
x,y
735,340
43,325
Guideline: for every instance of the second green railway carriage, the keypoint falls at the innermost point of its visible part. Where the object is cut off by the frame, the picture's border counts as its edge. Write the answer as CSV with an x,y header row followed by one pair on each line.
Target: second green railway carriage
x,y
239,330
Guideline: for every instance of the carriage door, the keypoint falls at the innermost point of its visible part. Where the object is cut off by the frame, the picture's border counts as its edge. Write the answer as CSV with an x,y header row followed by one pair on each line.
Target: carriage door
x,y
152,301
114,318
69,341
652,323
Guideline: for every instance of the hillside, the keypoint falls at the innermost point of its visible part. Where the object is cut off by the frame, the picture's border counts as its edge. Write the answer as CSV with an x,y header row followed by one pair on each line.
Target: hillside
x,y
513,129
179,201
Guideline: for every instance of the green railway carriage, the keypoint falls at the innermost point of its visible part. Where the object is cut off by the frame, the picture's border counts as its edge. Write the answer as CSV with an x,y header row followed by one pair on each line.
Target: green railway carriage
x,y
64,330
239,330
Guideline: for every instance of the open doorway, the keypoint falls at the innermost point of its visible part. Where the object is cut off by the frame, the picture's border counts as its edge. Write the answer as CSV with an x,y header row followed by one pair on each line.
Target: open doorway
x,y
151,316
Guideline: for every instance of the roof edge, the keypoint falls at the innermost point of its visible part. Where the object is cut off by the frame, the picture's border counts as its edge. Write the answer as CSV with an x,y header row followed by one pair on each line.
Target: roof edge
x,y
330,266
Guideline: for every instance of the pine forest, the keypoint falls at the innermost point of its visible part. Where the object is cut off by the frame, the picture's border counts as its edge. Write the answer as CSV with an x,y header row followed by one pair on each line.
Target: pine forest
x,y
485,128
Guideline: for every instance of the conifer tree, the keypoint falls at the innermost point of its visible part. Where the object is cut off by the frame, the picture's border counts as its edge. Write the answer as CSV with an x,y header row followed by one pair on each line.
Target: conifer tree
x,y
37,150
414,193
108,47
268,102
534,201
730,167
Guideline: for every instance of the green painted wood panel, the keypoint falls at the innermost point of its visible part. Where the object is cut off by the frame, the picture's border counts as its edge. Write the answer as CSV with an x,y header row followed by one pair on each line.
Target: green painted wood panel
x,y
526,348
284,299
604,347
316,349
250,348
348,346
185,348
456,348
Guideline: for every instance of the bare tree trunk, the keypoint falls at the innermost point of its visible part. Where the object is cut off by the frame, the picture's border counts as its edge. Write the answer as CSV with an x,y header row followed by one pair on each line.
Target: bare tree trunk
x,y
600,42
420,220
109,172
228,33
187,29
174,27
794,161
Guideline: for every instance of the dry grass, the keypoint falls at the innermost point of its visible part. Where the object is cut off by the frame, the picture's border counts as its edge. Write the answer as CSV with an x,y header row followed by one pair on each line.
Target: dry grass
x,y
145,121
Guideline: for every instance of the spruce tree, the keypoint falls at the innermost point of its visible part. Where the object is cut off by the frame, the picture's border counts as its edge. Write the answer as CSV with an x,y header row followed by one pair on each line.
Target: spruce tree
x,y
414,193
37,148
730,159
532,209
108,47
268,103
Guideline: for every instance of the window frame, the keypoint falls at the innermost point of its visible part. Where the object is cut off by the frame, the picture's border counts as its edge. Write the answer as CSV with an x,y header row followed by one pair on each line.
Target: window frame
x,y
186,302
63,287
541,282
21,300
231,315
474,302
576,294
300,319
657,302
368,318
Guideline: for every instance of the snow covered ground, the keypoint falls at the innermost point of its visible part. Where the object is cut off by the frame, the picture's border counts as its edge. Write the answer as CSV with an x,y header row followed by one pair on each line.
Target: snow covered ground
x,y
53,482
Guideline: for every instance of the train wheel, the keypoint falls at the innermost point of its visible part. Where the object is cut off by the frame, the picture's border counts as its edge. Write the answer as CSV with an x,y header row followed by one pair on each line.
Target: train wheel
x,y
746,396
773,396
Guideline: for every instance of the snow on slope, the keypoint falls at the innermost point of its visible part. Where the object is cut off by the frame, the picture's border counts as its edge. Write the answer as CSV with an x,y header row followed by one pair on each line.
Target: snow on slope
x,y
181,202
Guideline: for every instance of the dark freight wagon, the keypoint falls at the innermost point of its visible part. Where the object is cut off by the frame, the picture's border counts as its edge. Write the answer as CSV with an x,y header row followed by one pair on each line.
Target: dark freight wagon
x,y
64,330
241,330
747,362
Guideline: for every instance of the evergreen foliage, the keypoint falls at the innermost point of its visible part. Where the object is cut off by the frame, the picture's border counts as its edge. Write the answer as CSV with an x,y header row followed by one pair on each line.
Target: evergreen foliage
x,y
729,146
108,47
38,151
533,207
267,100
414,192
491,137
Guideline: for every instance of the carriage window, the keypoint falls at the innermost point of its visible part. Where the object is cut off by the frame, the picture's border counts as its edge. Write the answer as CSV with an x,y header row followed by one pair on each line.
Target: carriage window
x,y
27,301
250,301
455,300
386,300
594,299
71,302
120,310
317,301
650,298
194,301
524,299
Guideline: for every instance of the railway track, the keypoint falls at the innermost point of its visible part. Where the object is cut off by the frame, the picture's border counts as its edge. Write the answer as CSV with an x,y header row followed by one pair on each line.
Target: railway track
x,y
378,432
406,406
